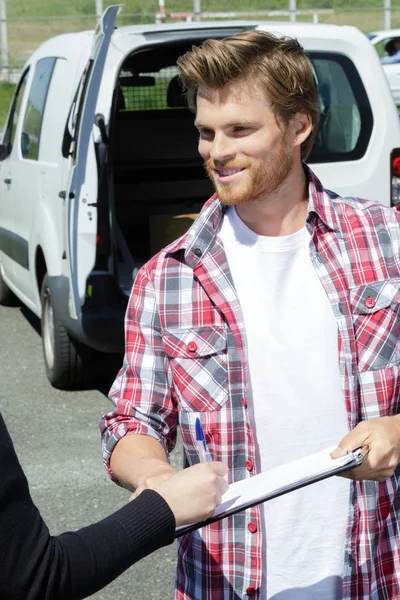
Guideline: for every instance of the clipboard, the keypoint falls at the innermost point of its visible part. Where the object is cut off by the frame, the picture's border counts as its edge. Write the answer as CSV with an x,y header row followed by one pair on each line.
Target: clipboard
x,y
278,481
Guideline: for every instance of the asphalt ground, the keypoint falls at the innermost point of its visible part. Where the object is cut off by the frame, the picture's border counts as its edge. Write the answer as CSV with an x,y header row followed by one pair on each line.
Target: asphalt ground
x,y
58,443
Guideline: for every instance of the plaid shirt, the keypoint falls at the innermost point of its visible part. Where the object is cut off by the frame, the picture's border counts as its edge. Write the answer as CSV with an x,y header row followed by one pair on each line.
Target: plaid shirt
x,y
186,358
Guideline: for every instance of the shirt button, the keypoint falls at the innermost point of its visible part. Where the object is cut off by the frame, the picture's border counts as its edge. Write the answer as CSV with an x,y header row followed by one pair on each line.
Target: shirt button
x,y
252,527
192,346
250,591
244,402
249,465
370,302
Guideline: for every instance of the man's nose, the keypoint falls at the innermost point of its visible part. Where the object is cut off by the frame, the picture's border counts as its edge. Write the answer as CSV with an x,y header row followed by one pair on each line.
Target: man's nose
x,y
221,148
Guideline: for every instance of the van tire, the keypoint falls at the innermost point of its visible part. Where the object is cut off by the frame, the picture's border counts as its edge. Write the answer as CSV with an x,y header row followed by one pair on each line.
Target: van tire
x,y
67,361
7,297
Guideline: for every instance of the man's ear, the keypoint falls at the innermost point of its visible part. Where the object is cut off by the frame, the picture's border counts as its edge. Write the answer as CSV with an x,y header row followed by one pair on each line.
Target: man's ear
x,y
301,127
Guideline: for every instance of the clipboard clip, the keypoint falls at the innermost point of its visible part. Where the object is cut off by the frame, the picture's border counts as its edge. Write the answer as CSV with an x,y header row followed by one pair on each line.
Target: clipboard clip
x,y
360,453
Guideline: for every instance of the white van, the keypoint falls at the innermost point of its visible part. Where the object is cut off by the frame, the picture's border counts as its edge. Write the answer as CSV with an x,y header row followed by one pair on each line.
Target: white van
x,y
99,166
380,39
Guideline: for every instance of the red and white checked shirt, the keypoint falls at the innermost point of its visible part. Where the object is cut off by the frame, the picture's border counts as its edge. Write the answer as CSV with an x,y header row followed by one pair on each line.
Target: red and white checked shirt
x,y
186,358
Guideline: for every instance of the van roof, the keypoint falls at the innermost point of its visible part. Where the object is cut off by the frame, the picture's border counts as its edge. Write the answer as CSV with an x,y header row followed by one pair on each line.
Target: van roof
x,y
303,31
65,45
294,28
74,43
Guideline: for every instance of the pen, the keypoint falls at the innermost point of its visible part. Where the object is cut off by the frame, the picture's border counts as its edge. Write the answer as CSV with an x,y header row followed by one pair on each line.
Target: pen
x,y
201,442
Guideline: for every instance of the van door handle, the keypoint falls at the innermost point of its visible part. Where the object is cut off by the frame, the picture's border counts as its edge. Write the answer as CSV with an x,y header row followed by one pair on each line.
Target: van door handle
x,y
7,181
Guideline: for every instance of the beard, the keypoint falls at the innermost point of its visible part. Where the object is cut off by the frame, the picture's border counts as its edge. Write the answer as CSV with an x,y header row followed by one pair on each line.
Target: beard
x,y
264,176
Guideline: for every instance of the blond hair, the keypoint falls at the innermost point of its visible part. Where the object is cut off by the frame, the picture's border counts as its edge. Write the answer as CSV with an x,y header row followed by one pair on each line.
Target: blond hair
x,y
279,64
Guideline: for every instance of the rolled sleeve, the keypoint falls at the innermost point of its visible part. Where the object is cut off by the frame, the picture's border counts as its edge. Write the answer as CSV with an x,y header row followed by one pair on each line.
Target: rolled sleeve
x,y
141,392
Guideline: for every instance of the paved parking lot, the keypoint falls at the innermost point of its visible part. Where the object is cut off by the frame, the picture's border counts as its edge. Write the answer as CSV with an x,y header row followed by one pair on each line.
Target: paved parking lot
x,y
57,440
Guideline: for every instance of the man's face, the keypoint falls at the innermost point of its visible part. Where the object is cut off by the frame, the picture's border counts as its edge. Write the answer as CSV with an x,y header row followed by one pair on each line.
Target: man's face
x,y
246,154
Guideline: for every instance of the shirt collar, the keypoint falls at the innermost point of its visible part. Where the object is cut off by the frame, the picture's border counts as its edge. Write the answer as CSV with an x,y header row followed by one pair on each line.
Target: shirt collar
x,y
320,201
201,235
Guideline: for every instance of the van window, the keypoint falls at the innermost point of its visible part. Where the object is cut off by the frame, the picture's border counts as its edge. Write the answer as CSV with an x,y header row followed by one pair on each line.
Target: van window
x,y
380,47
346,116
32,125
73,124
150,91
11,127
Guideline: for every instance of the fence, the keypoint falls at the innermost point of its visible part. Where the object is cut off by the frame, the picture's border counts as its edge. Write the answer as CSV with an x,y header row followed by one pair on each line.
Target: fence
x,y
21,35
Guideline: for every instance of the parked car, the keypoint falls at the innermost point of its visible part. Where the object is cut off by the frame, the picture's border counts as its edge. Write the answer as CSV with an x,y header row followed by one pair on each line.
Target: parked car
x,y
99,166
385,44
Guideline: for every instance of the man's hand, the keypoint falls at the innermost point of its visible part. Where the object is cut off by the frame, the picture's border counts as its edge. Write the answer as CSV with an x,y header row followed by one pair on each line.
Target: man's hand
x,y
194,493
159,473
382,438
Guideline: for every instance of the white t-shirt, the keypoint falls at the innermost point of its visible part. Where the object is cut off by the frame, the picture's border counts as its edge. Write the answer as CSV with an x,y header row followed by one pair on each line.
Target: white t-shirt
x,y
296,405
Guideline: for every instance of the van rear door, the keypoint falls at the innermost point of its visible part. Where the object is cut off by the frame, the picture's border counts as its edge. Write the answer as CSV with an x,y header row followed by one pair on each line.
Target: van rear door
x,y
81,194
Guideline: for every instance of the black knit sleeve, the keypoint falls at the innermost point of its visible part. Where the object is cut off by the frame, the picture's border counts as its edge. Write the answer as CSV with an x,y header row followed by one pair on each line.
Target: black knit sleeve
x,y
74,565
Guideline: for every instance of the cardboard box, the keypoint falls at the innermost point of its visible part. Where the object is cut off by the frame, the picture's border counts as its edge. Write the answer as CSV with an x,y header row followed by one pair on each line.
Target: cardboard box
x,y
164,229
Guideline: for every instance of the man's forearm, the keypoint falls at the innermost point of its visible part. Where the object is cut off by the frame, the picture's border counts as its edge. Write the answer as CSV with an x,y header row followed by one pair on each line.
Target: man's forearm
x,y
137,458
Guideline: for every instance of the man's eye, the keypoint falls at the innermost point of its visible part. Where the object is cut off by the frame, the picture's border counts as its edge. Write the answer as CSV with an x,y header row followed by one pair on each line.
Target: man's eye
x,y
205,134
241,129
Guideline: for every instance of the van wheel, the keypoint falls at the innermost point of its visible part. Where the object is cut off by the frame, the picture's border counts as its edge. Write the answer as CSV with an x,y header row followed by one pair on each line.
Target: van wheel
x,y
67,361
7,297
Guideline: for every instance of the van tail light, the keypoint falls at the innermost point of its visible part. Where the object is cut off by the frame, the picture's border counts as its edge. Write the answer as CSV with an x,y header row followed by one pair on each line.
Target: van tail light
x,y
99,239
395,178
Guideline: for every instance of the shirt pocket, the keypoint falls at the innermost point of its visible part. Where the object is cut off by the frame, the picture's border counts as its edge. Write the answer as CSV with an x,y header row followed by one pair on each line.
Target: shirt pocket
x,y
198,360
376,318
379,393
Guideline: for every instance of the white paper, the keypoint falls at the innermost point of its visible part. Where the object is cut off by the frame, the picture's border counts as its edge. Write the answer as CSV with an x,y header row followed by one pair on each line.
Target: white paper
x,y
277,480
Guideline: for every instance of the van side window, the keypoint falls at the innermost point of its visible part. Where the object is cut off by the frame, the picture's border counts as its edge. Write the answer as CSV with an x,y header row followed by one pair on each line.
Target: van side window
x,y
32,125
72,128
150,90
11,127
346,117
380,47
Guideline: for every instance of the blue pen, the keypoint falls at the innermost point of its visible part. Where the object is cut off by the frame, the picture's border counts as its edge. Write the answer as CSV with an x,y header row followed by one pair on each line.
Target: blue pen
x,y
201,442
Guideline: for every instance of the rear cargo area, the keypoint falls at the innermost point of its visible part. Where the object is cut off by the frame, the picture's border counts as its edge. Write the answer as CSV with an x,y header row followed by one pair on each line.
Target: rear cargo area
x,y
158,179
157,171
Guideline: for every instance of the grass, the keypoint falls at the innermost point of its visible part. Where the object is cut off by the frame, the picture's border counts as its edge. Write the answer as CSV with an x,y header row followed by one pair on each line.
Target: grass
x,y
22,8
6,94
24,36
30,23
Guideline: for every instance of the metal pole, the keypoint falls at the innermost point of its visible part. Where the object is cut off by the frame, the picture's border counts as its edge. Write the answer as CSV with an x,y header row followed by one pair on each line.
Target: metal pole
x,y
161,6
292,11
197,10
4,41
387,14
99,9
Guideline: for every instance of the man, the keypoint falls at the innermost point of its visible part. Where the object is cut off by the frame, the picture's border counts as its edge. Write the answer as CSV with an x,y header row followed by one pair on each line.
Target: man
x,y
275,320
392,48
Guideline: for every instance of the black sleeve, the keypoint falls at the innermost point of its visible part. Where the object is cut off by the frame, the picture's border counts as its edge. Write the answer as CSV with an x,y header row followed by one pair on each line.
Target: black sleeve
x,y
36,566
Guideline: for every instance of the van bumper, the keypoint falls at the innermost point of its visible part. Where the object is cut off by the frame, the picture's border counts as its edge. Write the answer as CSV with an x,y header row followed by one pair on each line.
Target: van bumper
x,y
100,324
